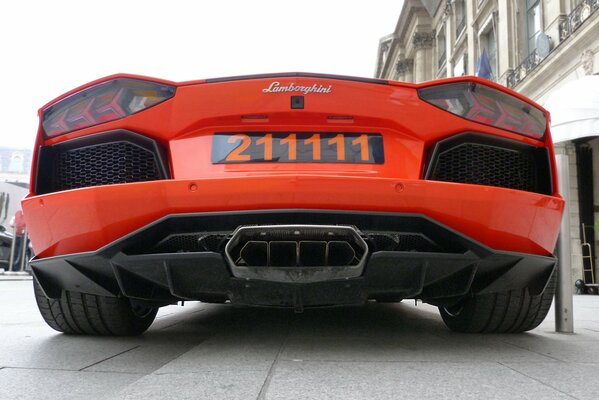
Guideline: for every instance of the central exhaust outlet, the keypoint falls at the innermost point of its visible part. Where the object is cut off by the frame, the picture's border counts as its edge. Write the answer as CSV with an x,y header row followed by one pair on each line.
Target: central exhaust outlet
x,y
296,247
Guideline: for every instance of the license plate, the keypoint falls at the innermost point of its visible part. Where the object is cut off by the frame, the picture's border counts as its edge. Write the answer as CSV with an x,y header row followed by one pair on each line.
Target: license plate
x,y
298,147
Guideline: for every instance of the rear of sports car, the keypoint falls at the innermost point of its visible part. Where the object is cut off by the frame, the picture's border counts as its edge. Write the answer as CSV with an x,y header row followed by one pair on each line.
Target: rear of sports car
x,y
292,190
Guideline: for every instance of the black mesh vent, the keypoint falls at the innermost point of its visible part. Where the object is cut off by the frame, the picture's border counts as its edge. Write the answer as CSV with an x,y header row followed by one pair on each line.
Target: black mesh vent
x,y
191,242
216,241
392,241
104,164
483,164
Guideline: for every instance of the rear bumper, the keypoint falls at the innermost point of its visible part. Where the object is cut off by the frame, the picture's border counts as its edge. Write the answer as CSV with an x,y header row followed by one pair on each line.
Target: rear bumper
x,y
454,265
87,219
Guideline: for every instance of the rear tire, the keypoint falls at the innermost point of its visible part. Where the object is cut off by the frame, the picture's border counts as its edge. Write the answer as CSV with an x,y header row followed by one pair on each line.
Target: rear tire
x,y
513,311
86,314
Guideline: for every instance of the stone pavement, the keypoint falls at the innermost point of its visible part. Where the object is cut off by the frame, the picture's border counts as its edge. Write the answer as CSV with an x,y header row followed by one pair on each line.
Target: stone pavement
x,y
381,351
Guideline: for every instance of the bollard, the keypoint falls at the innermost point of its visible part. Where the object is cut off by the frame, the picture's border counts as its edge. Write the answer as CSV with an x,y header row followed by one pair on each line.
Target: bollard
x,y
24,245
564,312
13,248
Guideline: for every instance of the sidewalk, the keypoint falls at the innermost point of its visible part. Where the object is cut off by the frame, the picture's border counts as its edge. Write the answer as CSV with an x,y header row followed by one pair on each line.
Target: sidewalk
x,y
380,351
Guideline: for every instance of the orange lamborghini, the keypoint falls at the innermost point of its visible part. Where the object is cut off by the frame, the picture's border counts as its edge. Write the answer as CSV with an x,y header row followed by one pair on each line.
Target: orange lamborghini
x,y
292,190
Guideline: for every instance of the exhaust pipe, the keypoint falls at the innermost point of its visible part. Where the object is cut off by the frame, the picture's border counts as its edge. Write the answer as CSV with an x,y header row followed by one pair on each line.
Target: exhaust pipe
x,y
254,253
282,253
289,246
313,253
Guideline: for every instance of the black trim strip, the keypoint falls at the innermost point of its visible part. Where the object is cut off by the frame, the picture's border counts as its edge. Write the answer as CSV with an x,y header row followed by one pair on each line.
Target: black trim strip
x,y
299,75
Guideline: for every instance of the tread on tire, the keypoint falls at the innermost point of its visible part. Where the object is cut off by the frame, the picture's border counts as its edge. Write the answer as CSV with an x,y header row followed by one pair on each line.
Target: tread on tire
x,y
507,312
86,314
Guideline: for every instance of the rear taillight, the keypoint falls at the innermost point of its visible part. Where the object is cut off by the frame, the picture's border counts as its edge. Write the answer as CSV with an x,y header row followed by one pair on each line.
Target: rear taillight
x,y
481,103
106,101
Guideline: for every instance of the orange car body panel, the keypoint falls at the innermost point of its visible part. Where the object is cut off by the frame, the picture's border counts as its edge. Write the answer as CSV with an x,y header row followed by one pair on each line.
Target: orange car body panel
x,y
87,219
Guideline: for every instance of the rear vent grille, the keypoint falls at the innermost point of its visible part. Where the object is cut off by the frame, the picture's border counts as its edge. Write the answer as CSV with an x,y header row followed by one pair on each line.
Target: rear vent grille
x,y
216,241
105,158
391,241
191,242
488,161
487,165
104,164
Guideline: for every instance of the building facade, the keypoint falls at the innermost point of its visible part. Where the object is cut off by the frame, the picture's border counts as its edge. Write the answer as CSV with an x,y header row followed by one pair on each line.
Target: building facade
x,y
15,164
548,50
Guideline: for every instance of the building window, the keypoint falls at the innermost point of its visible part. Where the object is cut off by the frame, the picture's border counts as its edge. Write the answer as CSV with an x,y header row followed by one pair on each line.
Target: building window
x,y
459,68
534,23
441,53
460,17
489,43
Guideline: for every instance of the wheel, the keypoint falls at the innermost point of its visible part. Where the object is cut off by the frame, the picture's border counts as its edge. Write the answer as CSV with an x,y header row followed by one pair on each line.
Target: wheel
x,y
512,311
86,314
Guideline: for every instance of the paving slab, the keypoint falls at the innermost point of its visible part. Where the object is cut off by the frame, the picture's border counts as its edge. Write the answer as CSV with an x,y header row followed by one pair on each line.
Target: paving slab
x,y
195,386
144,358
428,347
43,384
414,380
227,354
579,380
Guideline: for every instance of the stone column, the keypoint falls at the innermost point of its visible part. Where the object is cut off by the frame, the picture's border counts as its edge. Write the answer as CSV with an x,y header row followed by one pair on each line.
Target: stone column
x,y
472,37
405,69
553,12
423,43
507,45
383,49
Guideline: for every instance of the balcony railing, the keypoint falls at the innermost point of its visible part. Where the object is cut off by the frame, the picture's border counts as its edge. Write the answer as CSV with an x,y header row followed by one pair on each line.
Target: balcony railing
x,y
575,19
460,25
568,26
442,60
520,72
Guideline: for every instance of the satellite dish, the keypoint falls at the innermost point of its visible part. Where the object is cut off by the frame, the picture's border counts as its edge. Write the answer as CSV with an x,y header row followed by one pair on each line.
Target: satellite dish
x,y
544,45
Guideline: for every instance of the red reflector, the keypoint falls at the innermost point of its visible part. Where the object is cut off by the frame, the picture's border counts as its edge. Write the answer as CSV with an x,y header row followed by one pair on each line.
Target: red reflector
x,y
483,104
103,102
